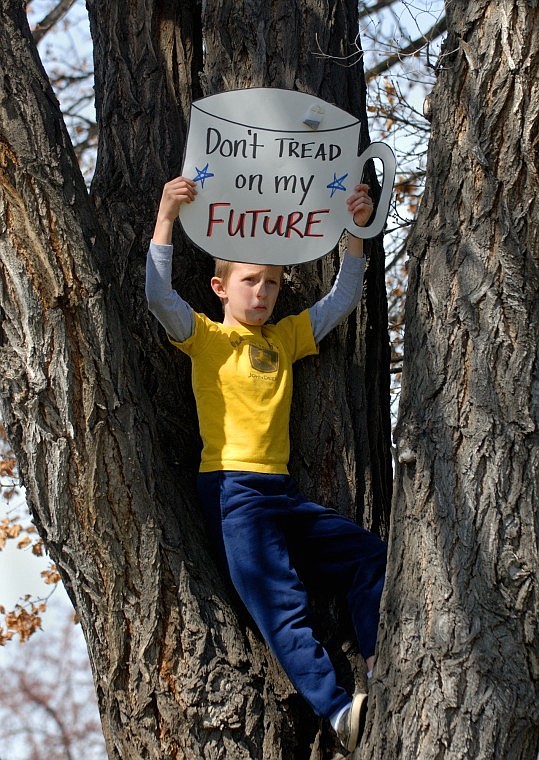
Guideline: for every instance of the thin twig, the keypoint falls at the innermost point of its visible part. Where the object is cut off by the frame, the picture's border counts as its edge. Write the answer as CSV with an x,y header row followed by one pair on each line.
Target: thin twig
x,y
414,47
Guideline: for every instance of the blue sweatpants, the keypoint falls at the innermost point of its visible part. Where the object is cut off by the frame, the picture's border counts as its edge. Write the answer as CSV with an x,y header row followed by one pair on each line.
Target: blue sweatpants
x,y
271,539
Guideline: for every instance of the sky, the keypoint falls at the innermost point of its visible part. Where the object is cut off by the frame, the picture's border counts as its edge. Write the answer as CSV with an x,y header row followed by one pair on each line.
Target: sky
x,y
20,569
20,574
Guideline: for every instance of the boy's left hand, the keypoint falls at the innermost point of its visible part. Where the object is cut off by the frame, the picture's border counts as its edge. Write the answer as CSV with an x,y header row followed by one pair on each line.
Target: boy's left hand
x,y
360,205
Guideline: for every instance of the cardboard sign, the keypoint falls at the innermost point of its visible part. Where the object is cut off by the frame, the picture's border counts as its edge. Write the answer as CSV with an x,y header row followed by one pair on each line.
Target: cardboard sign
x,y
273,169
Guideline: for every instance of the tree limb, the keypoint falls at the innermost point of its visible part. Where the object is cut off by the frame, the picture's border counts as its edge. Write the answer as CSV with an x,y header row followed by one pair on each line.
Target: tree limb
x,y
51,19
367,10
414,47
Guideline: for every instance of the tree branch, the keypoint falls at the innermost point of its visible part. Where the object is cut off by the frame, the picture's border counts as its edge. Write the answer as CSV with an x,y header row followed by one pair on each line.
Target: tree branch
x,y
414,47
33,696
51,19
368,10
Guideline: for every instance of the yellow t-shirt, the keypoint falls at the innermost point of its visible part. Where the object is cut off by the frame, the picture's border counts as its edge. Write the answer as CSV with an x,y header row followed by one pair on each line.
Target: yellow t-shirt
x,y
242,381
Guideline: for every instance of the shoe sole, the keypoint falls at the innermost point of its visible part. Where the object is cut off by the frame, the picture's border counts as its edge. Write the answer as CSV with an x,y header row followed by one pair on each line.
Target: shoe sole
x,y
357,719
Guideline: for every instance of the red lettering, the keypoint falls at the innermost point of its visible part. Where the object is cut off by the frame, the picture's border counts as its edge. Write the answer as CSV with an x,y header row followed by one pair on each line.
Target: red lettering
x,y
253,222
212,220
311,220
239,226
293,218
277,227
255,214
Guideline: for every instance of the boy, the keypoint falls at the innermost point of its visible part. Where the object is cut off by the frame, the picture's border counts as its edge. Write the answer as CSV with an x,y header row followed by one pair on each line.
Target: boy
x,y
263,528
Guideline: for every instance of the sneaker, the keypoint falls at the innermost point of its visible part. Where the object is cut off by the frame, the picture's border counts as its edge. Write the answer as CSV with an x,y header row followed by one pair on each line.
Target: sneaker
x,y
352,723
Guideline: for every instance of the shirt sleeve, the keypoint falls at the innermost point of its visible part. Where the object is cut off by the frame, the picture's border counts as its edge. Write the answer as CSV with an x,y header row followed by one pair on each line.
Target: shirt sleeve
x,y
198,341
297,335
164,302
341,300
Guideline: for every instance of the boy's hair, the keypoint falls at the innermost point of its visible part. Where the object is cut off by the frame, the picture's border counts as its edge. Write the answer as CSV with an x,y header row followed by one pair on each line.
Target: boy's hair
x,y
223,269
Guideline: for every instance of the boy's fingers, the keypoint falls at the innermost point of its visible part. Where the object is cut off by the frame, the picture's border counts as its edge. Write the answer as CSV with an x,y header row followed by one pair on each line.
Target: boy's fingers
x,y
361,191
361,201
365,199
181,188
181,182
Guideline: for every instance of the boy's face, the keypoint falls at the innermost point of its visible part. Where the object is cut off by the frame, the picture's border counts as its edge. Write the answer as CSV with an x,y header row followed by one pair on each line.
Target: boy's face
x,y
248,293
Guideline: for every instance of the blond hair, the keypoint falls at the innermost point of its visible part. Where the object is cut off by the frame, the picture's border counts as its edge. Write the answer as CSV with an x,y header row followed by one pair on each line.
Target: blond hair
x,y
223,269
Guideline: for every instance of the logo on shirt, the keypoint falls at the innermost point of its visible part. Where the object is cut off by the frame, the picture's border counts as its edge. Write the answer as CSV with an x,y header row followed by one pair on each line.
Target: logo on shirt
x,y
263,359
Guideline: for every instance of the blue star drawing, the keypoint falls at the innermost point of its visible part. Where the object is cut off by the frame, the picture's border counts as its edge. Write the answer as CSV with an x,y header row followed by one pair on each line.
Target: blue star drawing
x,y
202,175
337,184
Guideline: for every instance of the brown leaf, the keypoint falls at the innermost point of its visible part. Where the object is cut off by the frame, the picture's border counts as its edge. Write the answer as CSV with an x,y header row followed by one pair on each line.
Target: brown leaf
x,y
23,543
50,576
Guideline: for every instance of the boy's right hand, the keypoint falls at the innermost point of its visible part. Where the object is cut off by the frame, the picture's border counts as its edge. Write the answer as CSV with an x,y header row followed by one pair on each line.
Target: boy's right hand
x,y
177,191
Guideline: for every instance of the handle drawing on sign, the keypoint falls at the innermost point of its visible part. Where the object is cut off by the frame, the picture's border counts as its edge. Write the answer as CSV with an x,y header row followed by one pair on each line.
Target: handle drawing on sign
x,y
387,157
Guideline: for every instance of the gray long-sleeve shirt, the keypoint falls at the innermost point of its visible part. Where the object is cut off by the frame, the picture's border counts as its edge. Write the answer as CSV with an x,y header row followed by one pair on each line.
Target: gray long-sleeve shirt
x,y
176,315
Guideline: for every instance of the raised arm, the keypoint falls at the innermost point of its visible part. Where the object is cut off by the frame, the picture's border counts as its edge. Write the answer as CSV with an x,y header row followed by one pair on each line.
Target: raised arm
x,y
171,310
360,206
348,287
175,192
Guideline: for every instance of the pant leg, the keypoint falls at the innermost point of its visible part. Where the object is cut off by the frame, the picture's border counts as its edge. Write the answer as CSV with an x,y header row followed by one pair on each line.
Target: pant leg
x,y
349,559
254,512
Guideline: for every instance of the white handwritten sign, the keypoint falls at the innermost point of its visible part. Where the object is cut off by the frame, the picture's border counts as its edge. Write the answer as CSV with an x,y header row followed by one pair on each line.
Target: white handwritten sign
x,y
273,169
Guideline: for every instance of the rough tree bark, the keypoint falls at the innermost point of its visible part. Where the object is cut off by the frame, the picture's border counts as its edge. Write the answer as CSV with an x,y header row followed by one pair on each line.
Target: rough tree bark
x,y
98,405
459,662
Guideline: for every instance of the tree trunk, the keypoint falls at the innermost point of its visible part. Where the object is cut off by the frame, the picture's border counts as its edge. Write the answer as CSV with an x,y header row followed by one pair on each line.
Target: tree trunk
x,y
97,404
459,652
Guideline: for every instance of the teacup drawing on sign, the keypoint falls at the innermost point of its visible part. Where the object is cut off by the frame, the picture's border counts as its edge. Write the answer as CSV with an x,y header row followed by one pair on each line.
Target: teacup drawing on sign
x,y
273,169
